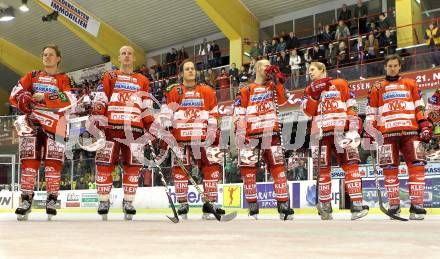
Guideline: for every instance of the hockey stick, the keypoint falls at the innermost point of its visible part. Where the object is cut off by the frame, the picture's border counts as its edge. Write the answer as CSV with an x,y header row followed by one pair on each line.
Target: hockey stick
x,y
379,195
219,217
174,219
280,124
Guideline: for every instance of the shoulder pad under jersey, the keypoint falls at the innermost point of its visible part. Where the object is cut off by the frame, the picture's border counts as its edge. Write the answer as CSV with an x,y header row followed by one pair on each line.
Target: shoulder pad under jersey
x,y
203,84
170,87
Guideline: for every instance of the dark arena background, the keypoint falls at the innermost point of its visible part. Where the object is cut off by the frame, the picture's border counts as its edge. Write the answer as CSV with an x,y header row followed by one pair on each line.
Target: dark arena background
x,y
108,48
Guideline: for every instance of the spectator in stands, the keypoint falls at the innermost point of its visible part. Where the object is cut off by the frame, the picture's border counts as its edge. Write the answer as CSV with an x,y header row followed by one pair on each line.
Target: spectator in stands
x,y
307,60
432,37
223,85
173,61
281,46
342,32
272,56
295,66
211,78
319,32
388,43
283,63
284,35
255,51
292,41
330,55
345,15
359,48
252,69
318,54
343,55
233,73
203,53
92,183
327,36
371,47
372,28
182,55
300,172
243,76
81,184
266,49
384,22
361,13
217,54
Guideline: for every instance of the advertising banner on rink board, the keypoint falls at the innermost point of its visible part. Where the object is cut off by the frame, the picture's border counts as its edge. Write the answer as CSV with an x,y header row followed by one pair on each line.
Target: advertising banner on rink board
x,y
75,15
431,199
431,169
306,194
6,200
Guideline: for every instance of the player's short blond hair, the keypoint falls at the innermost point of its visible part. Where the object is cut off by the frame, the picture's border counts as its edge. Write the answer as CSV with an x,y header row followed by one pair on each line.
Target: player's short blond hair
x,y
319,66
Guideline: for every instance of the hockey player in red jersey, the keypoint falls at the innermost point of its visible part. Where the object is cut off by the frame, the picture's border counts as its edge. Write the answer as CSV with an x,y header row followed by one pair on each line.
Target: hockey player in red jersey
x,y
335,121
41,130
258,135
122,98
396,109
195,128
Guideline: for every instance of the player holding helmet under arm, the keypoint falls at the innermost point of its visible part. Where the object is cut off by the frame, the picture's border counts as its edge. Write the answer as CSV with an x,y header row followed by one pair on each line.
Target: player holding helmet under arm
x,y
397,104
121,98
334,112
39,130
195,128
258,130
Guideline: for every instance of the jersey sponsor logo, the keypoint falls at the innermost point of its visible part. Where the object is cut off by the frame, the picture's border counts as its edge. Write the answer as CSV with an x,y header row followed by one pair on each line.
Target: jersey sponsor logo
x,y
100,87
331,94
395,95
124,117
190,125
126,86
127,97
394,87
259,89
399,123
329,105
260,97
191,114
396,105
264,107
45,88
192,103
191,133
190,93
47,79
263,124
126,78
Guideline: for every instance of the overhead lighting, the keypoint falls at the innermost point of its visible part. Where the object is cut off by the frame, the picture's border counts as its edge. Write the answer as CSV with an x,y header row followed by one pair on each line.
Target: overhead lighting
x,y
7,14
24,7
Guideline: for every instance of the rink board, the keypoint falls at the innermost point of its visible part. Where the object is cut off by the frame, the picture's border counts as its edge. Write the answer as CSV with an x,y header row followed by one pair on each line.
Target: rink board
x,y
302,195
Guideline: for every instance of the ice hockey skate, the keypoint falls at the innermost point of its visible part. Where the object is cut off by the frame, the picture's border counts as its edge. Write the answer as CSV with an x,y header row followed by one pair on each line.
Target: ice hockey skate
x,y
253,210
24,208
325,210
103,209
417,212
51,204
286,213
358,210
183,210
207,211
128,209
